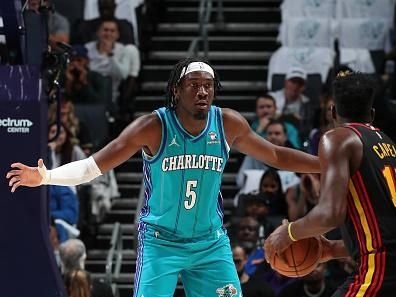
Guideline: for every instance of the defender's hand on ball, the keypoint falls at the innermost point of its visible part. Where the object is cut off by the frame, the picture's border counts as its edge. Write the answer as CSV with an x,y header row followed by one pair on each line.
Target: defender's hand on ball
x,y
277,242
22,175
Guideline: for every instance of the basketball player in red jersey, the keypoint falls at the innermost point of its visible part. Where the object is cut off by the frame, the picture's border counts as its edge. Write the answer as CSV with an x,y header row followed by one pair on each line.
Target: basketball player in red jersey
x,y
358,194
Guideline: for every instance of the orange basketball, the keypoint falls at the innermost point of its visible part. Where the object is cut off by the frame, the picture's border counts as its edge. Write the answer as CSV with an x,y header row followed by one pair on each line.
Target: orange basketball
x,y
302,258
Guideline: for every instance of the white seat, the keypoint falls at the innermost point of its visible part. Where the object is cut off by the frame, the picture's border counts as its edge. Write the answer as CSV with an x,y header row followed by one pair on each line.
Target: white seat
x,y
307,32
365,9
312,60
308,8
364,33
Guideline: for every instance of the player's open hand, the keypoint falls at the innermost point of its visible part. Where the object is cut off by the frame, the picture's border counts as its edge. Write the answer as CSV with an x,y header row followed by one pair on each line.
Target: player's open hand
x,y
277,242
22,175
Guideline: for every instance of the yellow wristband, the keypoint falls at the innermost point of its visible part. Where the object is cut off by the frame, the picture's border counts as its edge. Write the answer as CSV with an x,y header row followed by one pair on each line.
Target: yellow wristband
x,y
289,232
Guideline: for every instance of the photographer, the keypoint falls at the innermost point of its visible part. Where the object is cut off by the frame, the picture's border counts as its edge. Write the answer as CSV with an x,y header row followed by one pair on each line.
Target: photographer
x,y
81,84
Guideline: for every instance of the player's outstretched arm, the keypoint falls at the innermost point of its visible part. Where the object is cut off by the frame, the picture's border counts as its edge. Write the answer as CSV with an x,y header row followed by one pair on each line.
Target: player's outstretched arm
x,y
340,151
145,132
245,140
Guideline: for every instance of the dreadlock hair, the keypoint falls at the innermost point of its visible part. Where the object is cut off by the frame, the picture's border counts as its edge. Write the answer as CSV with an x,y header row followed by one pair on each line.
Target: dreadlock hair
x,y
353,94
174,80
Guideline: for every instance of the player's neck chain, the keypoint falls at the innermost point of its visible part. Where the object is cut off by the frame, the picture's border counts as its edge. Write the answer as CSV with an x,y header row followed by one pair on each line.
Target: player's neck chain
x,y
309,294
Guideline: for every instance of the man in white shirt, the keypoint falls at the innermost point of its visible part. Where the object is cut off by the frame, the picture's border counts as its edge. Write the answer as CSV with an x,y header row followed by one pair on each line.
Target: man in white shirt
x,y
111,58
292,104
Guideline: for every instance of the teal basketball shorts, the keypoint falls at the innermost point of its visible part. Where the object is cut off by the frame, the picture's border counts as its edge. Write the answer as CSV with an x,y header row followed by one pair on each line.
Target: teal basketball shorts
x,y
205,265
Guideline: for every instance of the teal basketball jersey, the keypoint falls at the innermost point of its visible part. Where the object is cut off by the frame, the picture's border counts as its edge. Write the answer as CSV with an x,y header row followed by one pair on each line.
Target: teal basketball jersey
x,y
182,181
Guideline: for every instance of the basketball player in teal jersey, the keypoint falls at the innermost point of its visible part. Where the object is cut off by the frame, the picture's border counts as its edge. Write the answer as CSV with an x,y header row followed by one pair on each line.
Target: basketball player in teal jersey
x,y
185,147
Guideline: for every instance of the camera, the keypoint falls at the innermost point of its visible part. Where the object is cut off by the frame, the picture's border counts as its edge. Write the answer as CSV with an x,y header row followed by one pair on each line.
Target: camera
x,y
54,63
55,59
256,197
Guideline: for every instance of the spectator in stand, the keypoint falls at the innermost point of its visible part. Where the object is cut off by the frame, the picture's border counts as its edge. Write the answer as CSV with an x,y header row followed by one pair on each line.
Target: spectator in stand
x,y
69,118
325,123
265,112
292,104
314,284
86,30
114,60
63,206
62,149
78,283
240,258
248,237
79,131
58,25
251,286
257,206
65,149
271,186
54,241
81,84
248,234
269,204
72,255
276,134
255,266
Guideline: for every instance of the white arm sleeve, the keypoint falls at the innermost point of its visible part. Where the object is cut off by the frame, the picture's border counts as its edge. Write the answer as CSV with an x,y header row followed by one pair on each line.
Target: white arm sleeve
x,y
71,174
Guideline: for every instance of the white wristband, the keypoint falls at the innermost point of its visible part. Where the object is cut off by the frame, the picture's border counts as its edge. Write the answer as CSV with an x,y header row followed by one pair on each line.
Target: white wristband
x,y
71,174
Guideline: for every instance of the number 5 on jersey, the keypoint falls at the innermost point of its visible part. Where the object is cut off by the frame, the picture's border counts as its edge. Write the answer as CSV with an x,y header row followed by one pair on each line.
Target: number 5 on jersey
x,y
191,195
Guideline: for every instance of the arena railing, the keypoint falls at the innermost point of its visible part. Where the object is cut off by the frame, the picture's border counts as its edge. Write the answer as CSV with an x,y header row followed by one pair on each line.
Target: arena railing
x,y
115,251
204,14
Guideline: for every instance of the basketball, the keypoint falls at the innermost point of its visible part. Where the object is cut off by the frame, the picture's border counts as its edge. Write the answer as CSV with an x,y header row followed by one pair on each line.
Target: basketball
x,y
302,257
